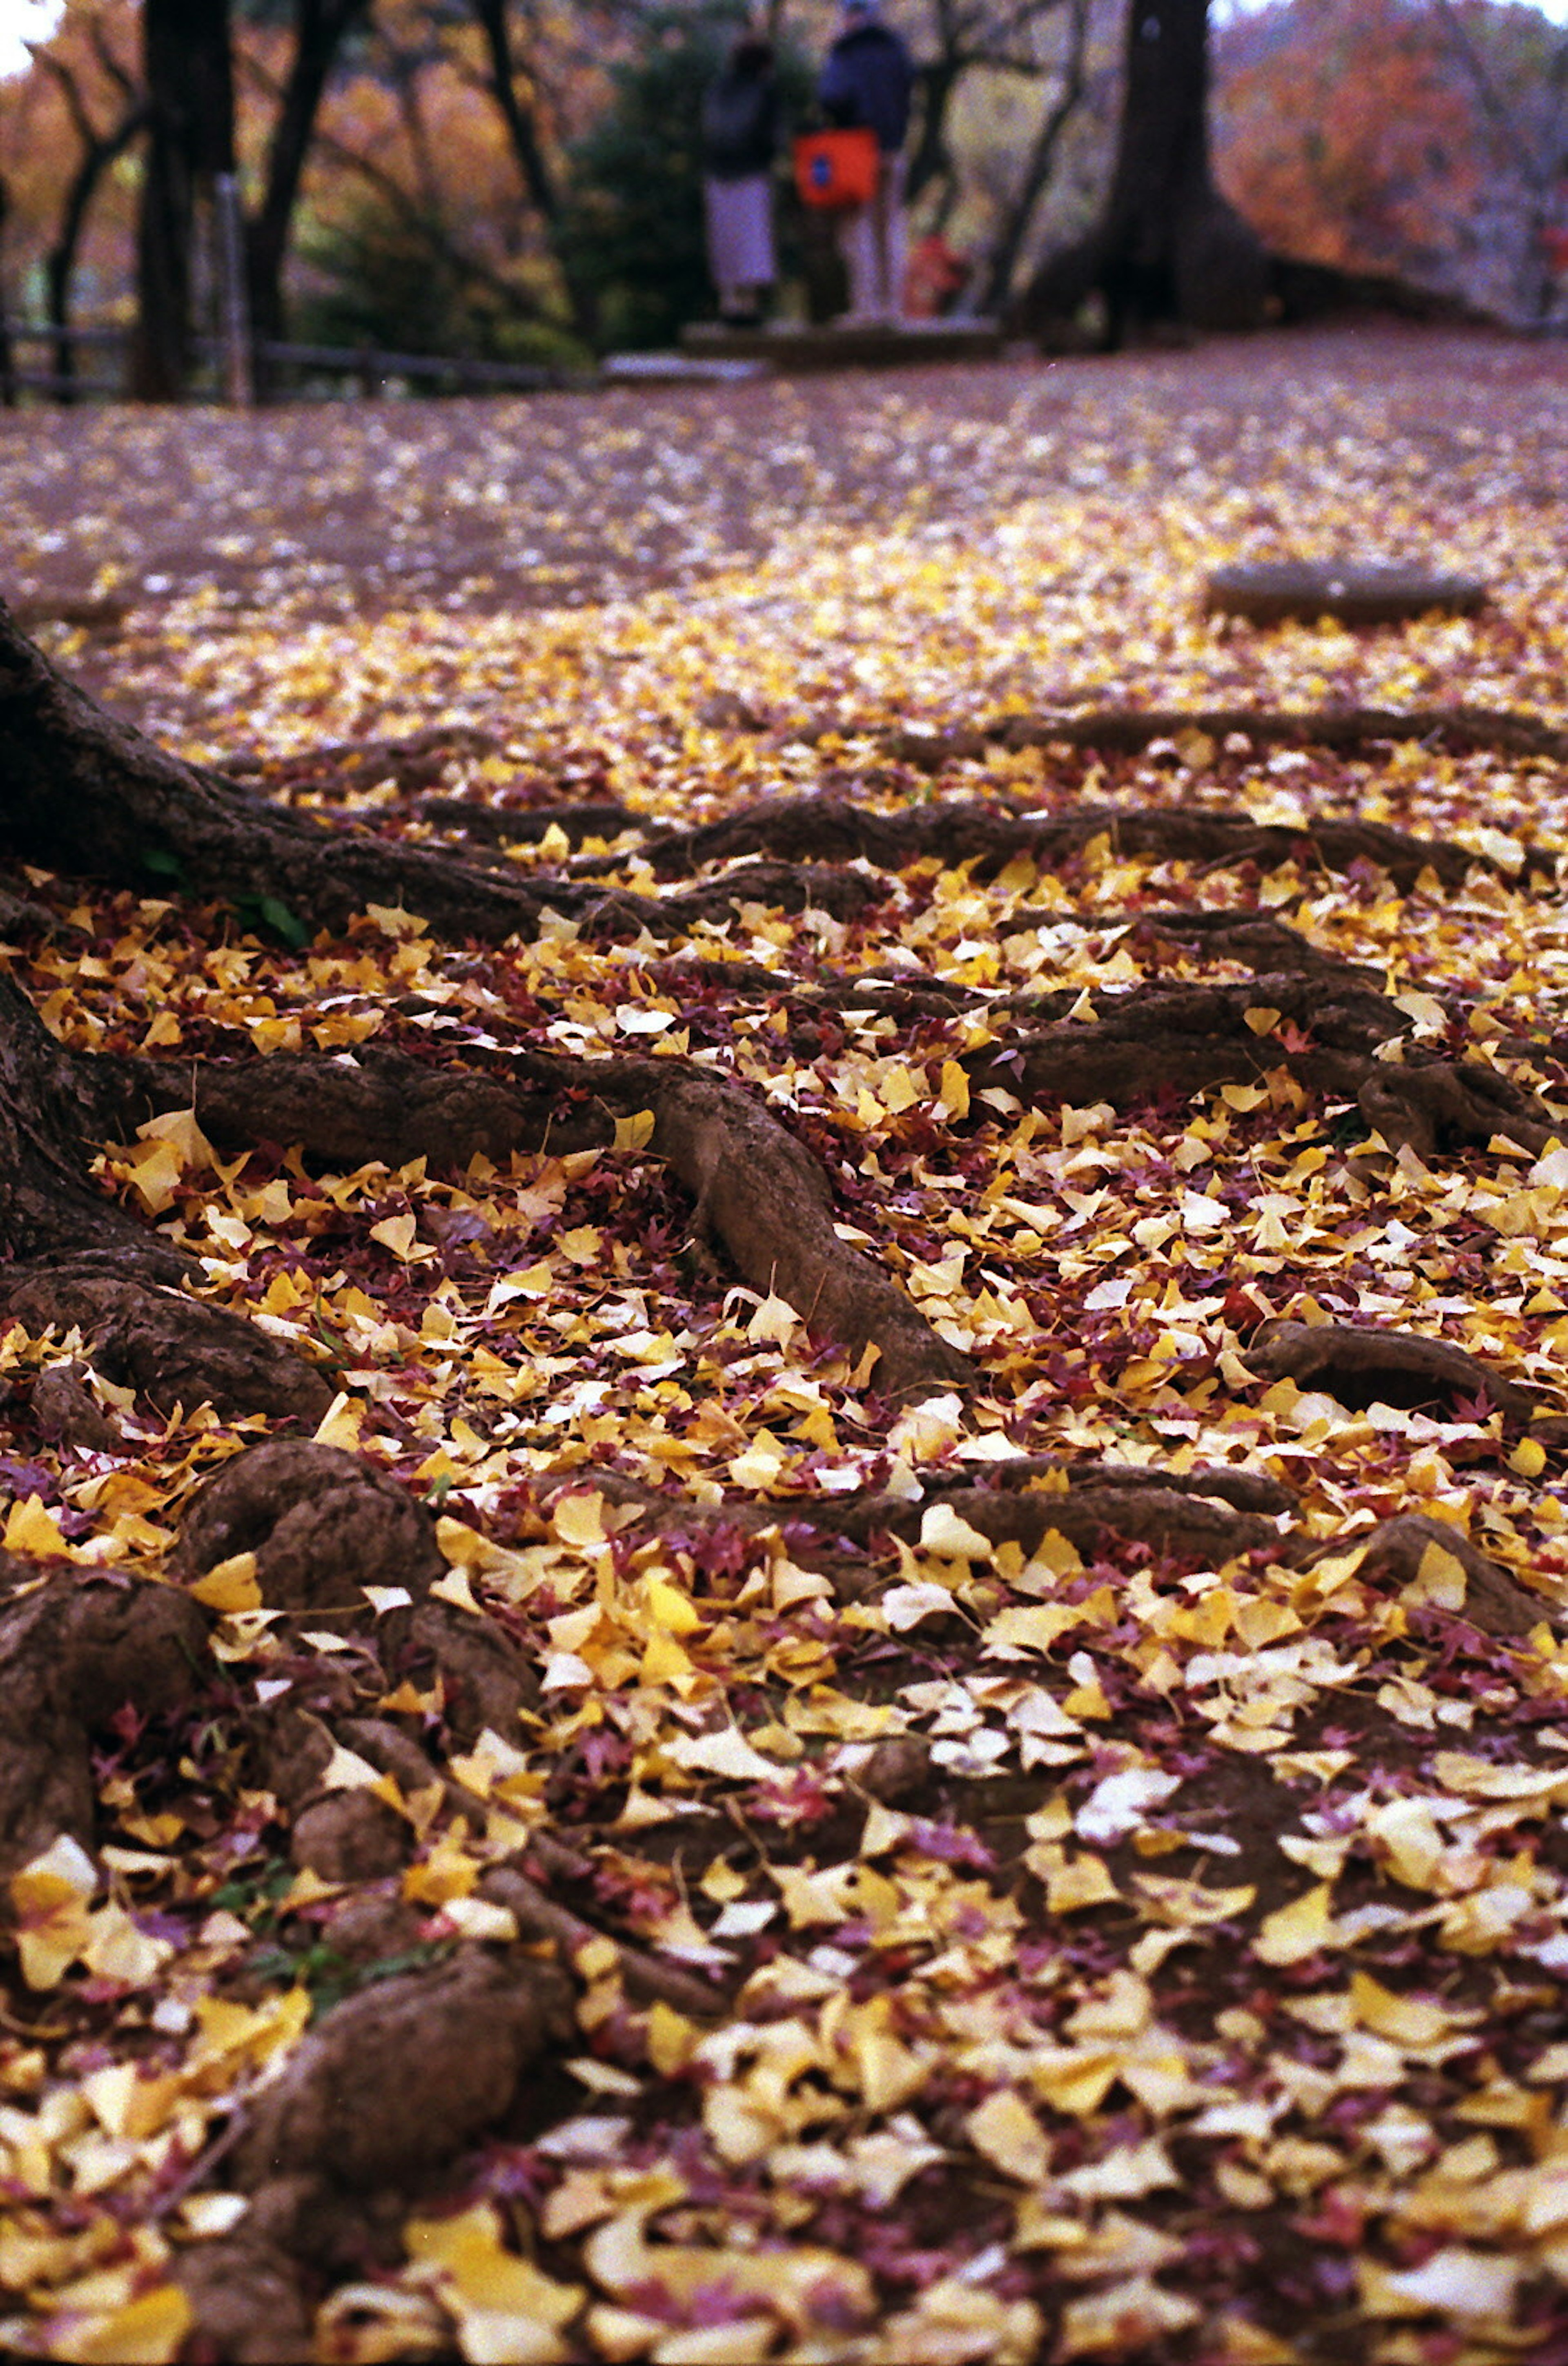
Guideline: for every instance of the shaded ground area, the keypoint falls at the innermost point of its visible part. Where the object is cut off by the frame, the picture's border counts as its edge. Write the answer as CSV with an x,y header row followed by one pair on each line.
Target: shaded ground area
x,y
344,509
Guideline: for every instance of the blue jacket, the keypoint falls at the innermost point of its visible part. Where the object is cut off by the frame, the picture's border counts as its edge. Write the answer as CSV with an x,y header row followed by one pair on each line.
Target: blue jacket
x,y
869,78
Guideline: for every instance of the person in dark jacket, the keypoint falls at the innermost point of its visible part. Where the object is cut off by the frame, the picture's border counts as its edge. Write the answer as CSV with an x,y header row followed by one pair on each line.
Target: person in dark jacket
x,y
741,129
868,80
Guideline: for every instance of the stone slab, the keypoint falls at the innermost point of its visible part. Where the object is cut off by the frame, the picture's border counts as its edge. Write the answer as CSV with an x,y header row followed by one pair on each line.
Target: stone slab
x,y
1354,593
867,345
682,369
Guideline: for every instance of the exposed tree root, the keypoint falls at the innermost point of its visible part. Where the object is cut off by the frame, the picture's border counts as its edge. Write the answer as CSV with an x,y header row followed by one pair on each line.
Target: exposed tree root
x,y
647,1978
346,2124
1361,1366
323,1525
1494,1599
1204,1515
169,1347
828,828
87,793
783,886
758,1191
413,760
818,1006
526,825
74,1652
345,2109
1324,1031
1460,729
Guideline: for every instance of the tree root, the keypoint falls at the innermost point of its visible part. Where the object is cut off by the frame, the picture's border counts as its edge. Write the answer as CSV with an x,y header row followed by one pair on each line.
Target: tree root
x,y
1208,1515
324,1525
169,1347
526,825
1324,1031
647,1979
1460,729
417,760
329,2151
1494,1599
74,1652
345,2109
758,1191
1361,1366
767,1199
828,828
1439,1105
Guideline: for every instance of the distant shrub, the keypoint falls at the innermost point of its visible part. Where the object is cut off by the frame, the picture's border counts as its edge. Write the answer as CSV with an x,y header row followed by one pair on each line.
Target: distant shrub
x,y
370,278
634,230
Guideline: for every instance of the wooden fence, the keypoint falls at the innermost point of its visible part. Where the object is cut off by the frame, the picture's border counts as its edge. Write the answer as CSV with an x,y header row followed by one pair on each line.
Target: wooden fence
x,y
369,370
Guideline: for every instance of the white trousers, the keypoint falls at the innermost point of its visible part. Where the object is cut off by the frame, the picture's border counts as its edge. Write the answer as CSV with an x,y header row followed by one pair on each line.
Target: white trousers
x,y
872,240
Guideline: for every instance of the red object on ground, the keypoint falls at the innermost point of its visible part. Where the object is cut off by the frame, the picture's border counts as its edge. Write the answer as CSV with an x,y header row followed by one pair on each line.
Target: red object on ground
x,y
935,278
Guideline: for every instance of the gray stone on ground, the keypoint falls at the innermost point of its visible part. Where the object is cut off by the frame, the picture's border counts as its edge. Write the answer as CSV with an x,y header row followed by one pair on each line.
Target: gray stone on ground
x,y
1348,592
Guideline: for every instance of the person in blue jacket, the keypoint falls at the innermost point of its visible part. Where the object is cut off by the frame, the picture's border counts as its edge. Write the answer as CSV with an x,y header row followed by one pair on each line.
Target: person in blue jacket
x,y
868,80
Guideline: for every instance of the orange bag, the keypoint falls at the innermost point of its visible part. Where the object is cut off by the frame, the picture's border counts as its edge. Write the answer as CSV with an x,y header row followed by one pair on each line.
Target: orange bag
x,y
835,170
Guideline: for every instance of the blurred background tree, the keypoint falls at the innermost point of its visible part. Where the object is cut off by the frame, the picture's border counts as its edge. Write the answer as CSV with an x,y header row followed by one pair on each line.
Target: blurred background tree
x,y
520,178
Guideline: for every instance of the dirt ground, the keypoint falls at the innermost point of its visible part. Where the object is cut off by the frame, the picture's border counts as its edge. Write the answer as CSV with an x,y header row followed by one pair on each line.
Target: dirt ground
x,y
1007,536
326,509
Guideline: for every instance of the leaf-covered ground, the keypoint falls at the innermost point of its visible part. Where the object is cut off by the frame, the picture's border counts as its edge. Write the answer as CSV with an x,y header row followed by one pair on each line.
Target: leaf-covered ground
x,y
999,1921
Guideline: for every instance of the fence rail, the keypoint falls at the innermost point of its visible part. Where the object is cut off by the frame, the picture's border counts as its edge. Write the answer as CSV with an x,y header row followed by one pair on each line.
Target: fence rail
x,y
369,365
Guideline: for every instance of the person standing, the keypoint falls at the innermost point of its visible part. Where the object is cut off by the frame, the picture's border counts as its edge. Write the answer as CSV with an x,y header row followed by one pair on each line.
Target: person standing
x,y
868,81
740,129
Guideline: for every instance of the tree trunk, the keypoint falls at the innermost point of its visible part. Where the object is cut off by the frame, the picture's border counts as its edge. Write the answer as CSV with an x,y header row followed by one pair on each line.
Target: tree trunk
x,y
1167,249
100,149
191,97
1004,257
932,159
320,28
523,131
7,360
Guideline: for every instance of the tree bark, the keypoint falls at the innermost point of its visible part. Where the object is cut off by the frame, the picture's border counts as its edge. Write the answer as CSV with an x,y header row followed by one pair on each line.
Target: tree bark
x,y
190,97
521,120
1003,260
1167,250
320,27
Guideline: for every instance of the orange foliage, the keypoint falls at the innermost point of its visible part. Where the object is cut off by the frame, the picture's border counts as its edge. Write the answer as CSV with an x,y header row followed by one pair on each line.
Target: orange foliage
x,y
1346,132
42,149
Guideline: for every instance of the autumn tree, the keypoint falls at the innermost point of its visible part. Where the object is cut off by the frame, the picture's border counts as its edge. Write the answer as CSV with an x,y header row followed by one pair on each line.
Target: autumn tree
x,y
102,134
1426,141
187,75
1167,246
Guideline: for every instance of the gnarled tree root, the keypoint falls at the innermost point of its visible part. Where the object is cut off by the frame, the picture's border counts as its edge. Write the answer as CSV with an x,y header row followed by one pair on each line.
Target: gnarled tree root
x,y
1325,1031
168,1346
760,1192
323,1525
1128,730
1494,1599
829,828
1209,1513
1361,1364
347,2123
73,1653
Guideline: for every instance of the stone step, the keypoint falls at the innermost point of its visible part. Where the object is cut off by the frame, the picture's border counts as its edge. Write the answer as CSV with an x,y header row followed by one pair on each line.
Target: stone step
x,y
848,345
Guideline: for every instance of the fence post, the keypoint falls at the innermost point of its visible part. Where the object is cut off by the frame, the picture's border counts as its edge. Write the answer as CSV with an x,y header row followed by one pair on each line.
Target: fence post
x,y
233,310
